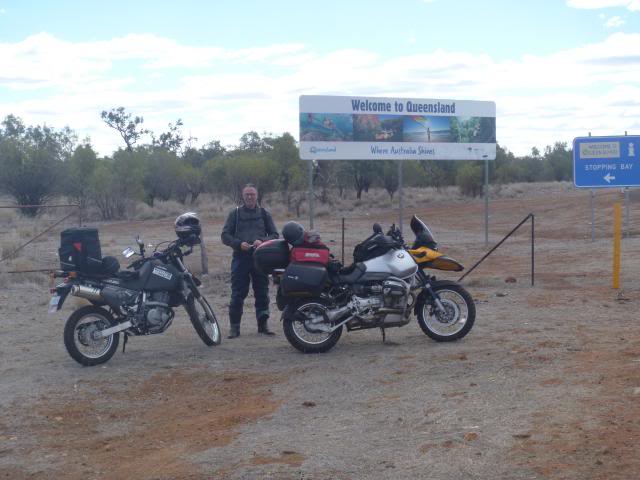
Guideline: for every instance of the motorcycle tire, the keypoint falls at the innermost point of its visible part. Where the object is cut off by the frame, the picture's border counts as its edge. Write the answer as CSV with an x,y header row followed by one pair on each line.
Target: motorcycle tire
x,y
204,321
78,340
460,312
297,333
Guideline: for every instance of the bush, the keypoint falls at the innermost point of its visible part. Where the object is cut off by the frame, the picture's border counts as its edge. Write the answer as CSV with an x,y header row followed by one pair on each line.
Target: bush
x,y
470,179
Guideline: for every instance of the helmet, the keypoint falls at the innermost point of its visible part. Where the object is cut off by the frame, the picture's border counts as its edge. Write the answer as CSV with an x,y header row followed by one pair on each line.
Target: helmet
x,y
188,228
293,233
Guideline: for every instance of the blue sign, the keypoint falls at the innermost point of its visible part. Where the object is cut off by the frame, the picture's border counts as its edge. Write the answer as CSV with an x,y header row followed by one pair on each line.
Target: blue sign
x,y
600,162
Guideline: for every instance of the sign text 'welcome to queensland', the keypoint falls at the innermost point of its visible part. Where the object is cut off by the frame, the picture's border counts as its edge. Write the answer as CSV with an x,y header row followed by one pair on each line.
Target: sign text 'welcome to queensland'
x,y
351,128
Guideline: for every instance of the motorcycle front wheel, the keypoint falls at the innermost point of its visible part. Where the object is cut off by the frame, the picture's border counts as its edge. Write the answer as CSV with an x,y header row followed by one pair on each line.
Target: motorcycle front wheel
x,y
305,326
204,321
456,318
81,339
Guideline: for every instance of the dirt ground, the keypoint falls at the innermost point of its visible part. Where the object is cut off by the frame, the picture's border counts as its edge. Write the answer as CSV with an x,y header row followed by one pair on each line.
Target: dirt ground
x,y
546,385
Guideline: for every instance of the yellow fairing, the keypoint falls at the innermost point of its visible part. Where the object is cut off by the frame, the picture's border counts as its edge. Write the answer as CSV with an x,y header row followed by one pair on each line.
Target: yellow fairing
x,y
428,258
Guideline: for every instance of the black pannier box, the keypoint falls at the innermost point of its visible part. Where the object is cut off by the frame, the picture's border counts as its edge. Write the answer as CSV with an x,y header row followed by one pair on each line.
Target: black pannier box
x,y
304,279
271,255
80,250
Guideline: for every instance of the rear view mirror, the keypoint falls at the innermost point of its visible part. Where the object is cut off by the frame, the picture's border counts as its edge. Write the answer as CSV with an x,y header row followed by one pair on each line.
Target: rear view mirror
x,y
377,228
128,252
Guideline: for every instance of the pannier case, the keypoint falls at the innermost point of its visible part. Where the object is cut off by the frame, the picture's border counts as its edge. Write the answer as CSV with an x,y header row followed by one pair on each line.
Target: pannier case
x,y
303,279
270,255
80,250
315,255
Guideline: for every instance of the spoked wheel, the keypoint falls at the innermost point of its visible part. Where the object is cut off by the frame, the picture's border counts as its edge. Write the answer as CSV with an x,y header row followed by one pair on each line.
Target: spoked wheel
x,y
308,328
204,321
82,339
456,318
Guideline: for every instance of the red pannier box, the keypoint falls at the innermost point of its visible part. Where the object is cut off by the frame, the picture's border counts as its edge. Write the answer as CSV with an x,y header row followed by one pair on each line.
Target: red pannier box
x,y
318,254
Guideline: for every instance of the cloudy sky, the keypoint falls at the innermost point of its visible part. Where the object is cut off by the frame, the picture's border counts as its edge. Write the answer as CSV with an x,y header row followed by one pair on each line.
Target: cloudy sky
x,y
556,69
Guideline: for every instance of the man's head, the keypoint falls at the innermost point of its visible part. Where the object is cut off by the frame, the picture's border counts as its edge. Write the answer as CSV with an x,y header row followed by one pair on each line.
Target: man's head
x,y
250,195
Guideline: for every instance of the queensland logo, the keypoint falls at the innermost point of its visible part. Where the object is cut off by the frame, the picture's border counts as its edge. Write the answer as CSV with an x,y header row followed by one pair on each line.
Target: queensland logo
x,y
322,149
162,273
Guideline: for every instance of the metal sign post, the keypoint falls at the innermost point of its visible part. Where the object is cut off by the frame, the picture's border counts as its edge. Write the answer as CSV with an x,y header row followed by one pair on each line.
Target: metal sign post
x,y
400,194
311,195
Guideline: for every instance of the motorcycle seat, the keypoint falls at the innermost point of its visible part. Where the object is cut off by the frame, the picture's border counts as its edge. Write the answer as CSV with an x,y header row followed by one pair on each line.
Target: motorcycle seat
x,y
126,275
352,273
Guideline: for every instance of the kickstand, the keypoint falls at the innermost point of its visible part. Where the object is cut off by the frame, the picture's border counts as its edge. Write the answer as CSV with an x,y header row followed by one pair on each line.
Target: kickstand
x,y
124,342
384,336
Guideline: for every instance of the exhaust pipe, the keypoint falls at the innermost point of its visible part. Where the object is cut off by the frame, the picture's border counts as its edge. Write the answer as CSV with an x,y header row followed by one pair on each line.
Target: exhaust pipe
x,y
338,313
83,291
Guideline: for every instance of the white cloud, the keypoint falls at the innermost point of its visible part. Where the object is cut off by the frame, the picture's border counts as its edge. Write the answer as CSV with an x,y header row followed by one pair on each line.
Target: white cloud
x,y
223,93
632,5
614,22
2,11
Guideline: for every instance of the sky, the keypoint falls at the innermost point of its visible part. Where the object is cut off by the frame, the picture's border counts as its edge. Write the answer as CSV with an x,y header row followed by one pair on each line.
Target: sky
x,y
556,69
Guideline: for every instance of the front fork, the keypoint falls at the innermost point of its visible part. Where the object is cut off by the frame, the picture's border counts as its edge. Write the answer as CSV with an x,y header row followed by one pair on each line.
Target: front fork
x,y
425,283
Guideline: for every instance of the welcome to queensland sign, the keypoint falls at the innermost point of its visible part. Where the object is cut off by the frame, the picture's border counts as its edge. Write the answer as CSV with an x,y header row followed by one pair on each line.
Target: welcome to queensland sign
x,y
372,128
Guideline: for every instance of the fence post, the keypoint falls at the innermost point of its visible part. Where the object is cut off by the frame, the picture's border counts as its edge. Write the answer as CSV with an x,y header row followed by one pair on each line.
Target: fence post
x,y
342,240
204,261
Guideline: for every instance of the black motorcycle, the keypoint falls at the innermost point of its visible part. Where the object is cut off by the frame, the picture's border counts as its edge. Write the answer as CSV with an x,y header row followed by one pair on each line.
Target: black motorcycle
x,y
136,302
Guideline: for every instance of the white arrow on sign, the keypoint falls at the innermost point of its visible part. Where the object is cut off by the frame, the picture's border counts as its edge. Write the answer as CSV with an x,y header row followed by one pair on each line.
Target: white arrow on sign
x,y
608,177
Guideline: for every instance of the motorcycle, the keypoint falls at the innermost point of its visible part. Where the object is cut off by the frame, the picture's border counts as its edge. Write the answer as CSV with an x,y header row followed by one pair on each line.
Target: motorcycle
x,y
384,284
137,302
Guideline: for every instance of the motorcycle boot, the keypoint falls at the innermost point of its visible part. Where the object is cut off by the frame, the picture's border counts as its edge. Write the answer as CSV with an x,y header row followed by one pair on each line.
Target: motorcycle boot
x,y
262,326
234,331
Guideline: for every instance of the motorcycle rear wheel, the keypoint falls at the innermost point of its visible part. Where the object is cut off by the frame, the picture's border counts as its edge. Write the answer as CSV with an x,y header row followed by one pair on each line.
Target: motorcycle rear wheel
x,y
204,321
79,340
299,335
457,319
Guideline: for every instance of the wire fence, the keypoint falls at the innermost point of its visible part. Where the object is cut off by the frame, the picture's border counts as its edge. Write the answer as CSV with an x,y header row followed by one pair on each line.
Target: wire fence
x,y
27,236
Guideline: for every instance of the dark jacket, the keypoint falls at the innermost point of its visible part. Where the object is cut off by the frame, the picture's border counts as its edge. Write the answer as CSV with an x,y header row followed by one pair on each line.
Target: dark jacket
x,y
247,225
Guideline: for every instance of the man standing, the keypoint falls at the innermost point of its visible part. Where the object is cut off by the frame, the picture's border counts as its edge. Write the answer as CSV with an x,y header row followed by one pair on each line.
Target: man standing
x,y
247,227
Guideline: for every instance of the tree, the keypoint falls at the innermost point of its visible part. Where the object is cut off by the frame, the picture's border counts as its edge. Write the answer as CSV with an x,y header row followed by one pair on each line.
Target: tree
x,y
251,142
79,169
470,179
389,177
31,161
170,140
129,129
290,169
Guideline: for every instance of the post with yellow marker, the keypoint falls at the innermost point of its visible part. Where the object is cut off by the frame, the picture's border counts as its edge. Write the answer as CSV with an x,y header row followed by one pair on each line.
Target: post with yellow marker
x,y
617,234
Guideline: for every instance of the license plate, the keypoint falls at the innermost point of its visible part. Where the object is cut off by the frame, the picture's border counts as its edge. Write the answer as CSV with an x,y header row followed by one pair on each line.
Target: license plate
x,y
53,303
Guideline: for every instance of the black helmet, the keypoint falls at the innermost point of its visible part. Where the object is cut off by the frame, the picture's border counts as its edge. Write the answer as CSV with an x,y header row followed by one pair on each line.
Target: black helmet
x,y
293,233
188,228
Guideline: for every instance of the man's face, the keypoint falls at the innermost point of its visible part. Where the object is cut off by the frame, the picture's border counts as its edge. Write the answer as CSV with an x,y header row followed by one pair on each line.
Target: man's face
x,y
250,197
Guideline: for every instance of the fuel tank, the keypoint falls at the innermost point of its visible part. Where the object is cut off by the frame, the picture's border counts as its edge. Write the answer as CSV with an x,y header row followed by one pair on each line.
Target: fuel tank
x,y
155,276
395,262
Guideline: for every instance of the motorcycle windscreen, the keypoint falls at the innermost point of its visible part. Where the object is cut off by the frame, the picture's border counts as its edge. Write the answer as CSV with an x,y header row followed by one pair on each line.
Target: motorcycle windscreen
x,y
424,237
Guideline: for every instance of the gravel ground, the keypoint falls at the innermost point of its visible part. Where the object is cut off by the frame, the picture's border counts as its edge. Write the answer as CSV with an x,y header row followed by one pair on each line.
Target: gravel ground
x,y
546,385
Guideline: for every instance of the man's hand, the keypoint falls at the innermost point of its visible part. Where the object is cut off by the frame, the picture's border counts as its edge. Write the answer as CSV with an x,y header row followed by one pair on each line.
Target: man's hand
x,y
245,247
257,243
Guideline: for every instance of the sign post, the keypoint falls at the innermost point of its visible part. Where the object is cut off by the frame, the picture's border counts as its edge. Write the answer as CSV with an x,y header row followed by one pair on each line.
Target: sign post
x,y
375,128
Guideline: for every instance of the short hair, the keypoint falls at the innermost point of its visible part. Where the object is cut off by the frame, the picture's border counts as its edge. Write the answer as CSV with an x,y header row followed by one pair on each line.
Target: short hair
x,y
249,185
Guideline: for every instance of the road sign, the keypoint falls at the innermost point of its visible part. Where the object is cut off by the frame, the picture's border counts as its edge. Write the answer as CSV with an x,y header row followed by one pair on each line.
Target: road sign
x,y
601,162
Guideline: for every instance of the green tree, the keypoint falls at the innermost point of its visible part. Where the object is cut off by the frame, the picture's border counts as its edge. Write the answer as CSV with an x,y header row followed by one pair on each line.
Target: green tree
x,y
389,177
170,140
79,168
130,129
31,161
470,179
